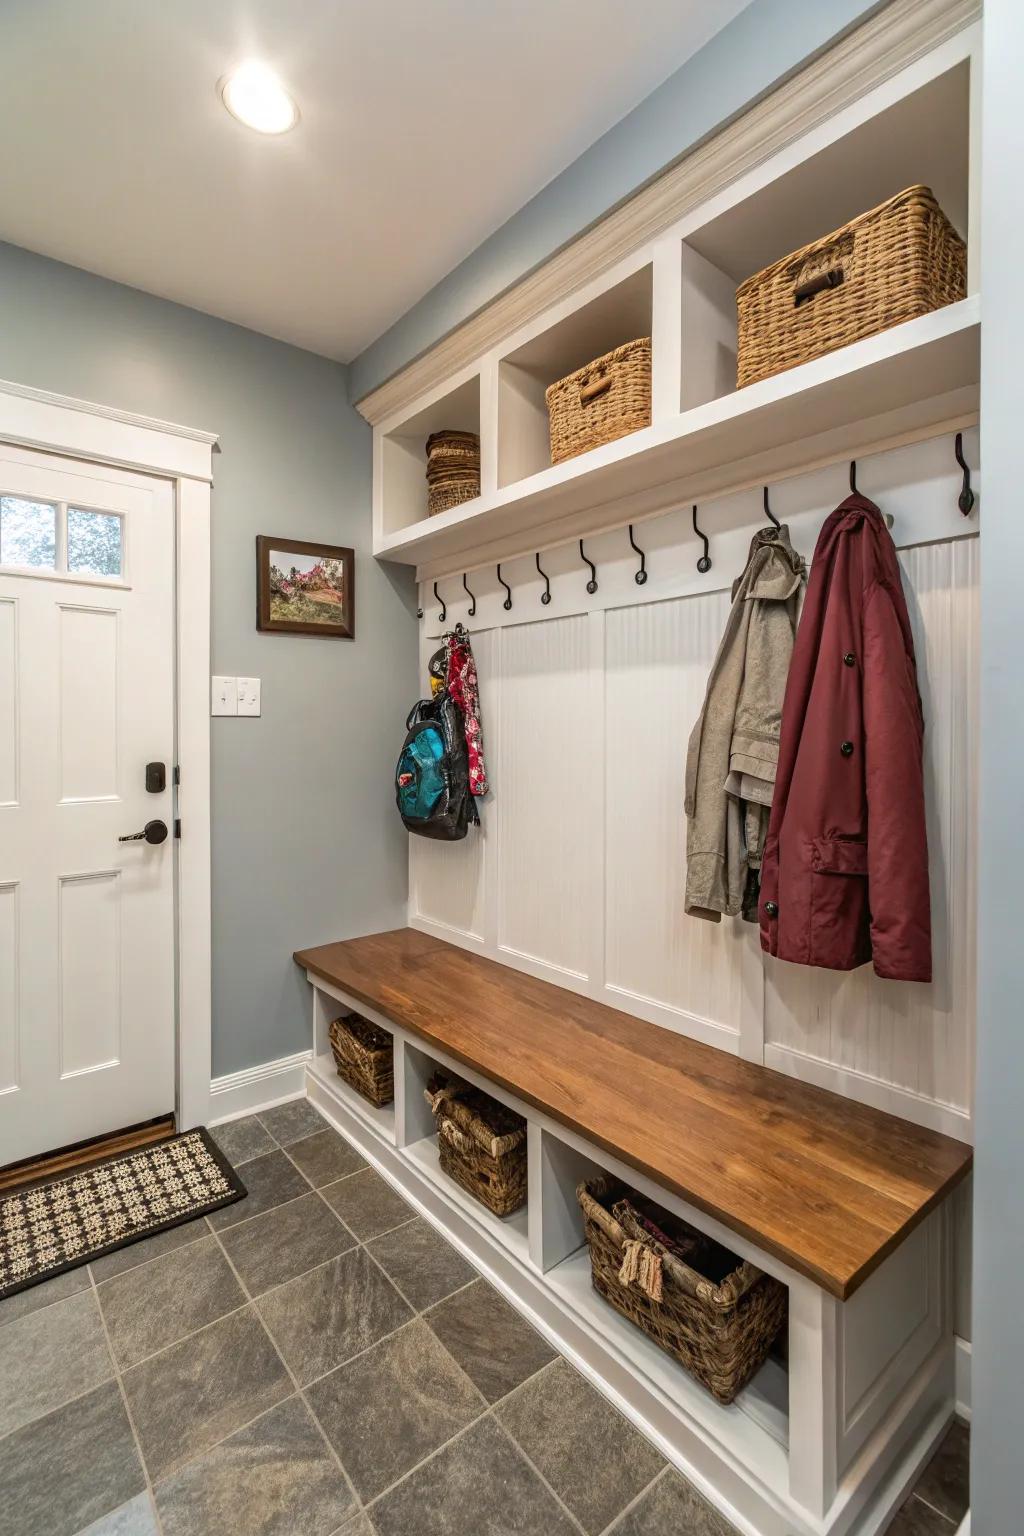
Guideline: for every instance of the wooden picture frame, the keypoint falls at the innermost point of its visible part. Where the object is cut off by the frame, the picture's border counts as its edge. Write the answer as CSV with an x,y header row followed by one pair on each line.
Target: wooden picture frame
x,y
322,578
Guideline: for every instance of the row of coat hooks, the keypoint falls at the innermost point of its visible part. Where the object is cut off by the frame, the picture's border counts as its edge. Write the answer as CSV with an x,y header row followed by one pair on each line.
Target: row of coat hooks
x,y
965,501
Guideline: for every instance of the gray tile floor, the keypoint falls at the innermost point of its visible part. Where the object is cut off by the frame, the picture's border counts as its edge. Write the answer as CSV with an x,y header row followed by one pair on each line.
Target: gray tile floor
x,y
314,1360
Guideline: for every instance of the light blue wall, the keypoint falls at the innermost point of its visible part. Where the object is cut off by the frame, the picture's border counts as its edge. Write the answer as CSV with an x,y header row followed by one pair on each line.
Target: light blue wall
x,y
758,49
997,1468
306,843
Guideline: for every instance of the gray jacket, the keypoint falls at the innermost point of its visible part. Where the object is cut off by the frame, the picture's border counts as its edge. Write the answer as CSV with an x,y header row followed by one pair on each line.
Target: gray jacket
x,y
734,746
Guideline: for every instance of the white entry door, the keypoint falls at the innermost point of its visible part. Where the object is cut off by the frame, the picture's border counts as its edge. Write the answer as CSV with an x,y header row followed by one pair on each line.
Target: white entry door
x,y
87,960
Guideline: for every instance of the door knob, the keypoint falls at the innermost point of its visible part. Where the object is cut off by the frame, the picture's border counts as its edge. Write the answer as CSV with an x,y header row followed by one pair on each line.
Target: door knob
x,y
152,832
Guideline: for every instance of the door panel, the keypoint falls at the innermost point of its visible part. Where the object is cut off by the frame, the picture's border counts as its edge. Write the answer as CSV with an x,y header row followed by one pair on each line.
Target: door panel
x,y
86,700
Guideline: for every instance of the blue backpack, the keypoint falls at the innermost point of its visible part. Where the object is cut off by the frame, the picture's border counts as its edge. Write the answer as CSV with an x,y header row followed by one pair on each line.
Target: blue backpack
x,y
432,776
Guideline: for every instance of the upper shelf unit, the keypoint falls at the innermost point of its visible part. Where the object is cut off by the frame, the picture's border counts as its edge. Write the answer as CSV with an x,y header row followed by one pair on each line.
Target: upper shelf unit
x,y
706,437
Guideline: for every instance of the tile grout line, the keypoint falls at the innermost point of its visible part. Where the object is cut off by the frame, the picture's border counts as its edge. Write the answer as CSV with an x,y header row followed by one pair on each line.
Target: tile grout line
x,y
291,1375
125,1403
953,1525
534,1467
144,1263
614,1523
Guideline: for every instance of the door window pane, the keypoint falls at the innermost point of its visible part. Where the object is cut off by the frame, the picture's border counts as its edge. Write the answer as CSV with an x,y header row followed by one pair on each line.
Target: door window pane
x,y
94,543
28,533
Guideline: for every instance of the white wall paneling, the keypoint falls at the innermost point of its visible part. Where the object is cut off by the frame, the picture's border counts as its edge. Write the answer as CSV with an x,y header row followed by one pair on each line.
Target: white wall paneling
x,y
578,871
903,1045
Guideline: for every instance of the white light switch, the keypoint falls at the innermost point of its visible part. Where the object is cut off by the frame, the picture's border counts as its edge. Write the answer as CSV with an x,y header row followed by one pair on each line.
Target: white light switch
x,y
224,696
248,695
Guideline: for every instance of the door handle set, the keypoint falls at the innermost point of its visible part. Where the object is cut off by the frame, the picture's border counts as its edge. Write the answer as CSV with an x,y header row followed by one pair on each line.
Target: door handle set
x,y
152,832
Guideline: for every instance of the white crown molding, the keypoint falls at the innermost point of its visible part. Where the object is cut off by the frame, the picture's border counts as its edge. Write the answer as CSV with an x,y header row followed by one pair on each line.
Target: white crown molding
x,y
109,412
871,54
38,418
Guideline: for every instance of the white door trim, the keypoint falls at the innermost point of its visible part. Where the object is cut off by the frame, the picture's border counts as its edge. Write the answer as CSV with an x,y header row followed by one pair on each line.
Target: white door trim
x,y
33,418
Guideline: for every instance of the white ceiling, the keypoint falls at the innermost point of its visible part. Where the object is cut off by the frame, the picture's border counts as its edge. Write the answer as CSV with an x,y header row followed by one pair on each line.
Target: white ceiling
x,y
425,125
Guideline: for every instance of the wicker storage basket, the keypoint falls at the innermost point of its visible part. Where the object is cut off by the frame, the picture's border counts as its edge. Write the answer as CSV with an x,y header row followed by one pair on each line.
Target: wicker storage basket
x,y
364,1057
607,399
453,470
895,262
482,1145
717,1315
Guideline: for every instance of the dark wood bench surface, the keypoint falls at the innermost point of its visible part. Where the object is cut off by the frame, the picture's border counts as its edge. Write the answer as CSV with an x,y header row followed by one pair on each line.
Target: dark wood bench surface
x,y
827,1185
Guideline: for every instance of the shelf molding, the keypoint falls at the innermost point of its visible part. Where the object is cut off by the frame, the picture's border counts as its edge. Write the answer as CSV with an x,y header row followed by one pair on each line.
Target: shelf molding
x,y
868,56
784,426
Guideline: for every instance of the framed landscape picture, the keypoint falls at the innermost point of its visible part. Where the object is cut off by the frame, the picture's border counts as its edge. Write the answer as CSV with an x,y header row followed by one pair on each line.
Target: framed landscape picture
x,y
305,589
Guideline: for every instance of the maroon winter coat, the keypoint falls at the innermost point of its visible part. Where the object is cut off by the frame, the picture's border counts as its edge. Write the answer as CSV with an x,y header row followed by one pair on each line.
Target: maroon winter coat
x,y
845,871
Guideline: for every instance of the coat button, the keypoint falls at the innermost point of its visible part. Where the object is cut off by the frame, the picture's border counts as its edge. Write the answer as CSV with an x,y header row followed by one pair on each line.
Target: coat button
x,y
847,749
771,909
849,659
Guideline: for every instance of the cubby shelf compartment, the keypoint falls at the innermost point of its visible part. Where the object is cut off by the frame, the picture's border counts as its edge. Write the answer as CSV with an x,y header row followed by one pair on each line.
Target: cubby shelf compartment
x,y
510,1231
401,470
912,380
618,314
381,1119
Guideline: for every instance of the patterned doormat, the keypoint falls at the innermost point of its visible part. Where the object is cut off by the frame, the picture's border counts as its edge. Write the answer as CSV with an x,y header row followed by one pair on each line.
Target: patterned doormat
x,y
55,1226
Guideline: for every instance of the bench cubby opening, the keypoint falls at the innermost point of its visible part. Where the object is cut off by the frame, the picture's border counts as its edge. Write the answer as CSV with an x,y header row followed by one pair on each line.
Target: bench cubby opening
x,y
620,313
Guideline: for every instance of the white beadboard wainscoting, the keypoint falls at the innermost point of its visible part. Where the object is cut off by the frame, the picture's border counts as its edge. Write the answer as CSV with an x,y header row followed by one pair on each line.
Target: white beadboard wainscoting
x,y
577,873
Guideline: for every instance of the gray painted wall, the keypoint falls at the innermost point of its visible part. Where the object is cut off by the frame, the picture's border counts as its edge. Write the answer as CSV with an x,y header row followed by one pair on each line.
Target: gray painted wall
x,y
757,50
306,843
997,1470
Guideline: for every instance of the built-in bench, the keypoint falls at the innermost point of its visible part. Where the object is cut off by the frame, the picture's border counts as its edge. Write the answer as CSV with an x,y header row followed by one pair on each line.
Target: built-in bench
x,y
845,1204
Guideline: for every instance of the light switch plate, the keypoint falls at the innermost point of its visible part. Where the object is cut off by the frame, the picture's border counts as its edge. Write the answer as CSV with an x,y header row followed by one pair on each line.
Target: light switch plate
x,y
248,695
224,696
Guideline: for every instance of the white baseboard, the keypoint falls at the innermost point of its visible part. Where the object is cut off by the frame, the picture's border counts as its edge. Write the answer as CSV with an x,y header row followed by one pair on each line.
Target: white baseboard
x,y
963,1379
259,1087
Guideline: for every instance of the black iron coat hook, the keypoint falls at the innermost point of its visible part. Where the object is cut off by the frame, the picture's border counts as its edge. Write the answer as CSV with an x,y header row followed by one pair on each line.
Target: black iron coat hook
x,y
965,501
442,616
472,606
592,583
641,575
545,596
769,514
704,563
507,604
853,477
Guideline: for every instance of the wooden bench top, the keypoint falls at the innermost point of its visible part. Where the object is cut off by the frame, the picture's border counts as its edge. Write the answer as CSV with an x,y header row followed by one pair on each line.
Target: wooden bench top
x,y
827,1185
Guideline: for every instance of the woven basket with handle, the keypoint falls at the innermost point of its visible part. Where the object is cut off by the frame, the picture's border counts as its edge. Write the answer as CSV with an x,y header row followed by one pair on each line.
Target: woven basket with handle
x,y
719,1324
893,263
607,399
481,1144
364,1057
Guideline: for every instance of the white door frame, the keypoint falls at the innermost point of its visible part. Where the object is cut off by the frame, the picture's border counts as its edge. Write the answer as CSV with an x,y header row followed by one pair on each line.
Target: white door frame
x,y
34,418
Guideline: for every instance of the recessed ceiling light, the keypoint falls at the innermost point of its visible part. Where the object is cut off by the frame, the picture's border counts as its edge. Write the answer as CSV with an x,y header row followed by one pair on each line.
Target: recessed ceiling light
x,y
255,95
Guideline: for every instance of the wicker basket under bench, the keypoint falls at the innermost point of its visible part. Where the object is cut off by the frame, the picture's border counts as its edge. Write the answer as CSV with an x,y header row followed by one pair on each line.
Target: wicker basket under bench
x,y
364,1056
481,1144
716,1314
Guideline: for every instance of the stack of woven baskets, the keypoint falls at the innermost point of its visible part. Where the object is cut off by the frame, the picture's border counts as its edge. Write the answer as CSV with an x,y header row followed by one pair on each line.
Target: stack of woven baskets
x,y
453,470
